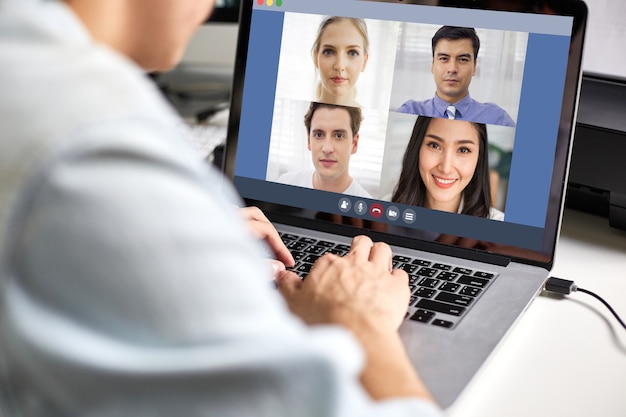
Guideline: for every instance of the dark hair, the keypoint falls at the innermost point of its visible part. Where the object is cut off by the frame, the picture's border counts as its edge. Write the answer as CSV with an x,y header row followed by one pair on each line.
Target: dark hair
x,y
411,189
453,33
355,115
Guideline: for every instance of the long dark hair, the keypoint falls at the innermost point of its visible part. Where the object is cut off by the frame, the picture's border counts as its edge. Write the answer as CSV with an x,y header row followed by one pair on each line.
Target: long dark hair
x,y
411,189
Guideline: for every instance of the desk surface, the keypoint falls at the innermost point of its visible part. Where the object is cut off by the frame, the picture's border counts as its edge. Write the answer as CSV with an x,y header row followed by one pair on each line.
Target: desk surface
x,y
566,356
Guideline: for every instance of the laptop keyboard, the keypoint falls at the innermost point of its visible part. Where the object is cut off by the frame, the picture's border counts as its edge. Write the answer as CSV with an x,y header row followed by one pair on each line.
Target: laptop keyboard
x,y
441,293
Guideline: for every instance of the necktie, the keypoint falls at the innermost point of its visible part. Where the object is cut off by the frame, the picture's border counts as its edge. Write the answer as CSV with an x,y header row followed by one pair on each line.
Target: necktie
x,y
451,111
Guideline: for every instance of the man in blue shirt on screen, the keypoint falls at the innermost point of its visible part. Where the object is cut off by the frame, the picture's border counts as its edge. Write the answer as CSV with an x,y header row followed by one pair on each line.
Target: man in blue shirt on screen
x,y
455,50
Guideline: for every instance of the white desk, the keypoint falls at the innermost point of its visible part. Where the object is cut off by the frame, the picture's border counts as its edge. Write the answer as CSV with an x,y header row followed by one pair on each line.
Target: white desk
x,y
565,357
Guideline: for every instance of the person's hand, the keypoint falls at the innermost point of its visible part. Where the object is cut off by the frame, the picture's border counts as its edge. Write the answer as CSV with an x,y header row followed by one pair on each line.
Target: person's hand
x,y
263,229
361,292
358,290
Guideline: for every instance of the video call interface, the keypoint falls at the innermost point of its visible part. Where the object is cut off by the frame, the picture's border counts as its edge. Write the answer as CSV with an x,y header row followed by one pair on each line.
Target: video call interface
x,y
295,143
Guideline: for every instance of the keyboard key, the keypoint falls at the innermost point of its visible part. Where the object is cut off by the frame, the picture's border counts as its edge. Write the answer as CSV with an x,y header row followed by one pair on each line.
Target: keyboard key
x,y
401,259
427,272
423,316
448,276
471,291
463,271
429,282
316,250
450,287
442,323
310,259
425,292
336,251
421,262
461,300
325,244
409,268
298,255
443,267
470,280
485,275
440,307
307,240
298,246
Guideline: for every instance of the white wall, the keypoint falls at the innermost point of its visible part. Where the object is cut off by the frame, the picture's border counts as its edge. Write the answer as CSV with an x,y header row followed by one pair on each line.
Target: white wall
x,y
216,44
606,31
213,44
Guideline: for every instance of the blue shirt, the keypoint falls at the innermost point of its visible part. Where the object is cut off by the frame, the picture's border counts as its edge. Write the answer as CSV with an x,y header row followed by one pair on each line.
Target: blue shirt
x,y
466,109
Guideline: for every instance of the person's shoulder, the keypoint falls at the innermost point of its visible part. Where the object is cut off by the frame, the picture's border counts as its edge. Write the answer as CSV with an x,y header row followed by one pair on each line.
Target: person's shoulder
x,y
495,214
500,115
415,107
493,114
355,188
94,102
301,178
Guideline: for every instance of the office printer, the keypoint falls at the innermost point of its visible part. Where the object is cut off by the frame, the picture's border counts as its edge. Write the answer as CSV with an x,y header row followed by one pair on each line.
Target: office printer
x,y
597,181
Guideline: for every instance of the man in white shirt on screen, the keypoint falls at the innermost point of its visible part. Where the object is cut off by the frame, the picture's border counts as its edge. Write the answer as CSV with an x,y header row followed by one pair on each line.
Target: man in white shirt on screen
x,y
332,138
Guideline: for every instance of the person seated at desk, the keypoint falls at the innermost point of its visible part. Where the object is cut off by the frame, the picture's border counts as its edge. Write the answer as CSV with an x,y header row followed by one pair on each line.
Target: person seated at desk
x,y
130,285
332,137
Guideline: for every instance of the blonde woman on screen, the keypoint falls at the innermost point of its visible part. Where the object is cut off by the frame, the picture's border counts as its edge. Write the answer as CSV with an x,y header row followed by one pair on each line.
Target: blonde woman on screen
x,y
340,53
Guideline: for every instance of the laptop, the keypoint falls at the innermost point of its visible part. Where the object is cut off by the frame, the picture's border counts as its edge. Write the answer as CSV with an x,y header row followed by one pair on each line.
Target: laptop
x,y
472,276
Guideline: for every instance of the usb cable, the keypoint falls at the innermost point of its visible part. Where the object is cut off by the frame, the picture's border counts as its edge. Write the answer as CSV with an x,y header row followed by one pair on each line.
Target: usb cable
x,y
565,287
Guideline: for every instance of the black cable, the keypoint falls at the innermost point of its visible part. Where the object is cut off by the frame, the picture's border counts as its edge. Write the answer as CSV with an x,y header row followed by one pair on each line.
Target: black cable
x,y
564,286
603,302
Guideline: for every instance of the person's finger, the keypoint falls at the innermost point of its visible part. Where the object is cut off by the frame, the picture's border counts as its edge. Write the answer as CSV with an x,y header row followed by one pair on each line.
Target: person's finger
x,y
264,229
254,213
288,283
277,245
361,247
401,274
277,267
381,253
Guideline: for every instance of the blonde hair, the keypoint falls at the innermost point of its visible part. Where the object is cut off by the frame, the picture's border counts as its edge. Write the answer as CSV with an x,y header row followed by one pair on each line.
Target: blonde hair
x,y
359,24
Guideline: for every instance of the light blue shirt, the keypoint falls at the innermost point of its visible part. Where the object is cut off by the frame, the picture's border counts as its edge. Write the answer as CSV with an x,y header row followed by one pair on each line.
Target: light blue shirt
x,y
129,286
466,109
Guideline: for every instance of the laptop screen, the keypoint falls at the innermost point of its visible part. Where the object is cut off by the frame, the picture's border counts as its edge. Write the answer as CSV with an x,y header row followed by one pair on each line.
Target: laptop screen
x,y
414,122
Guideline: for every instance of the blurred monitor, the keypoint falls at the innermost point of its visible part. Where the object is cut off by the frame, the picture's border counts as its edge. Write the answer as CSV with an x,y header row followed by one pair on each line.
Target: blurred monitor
x,y
200,85
214,44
